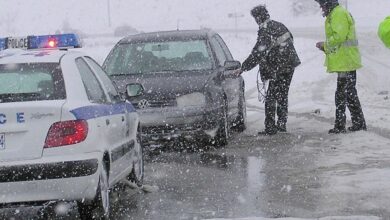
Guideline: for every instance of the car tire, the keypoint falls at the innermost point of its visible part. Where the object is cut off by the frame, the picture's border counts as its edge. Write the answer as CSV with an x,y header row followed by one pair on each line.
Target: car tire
x,y
99,208
137,173
46,213
223,133
241,118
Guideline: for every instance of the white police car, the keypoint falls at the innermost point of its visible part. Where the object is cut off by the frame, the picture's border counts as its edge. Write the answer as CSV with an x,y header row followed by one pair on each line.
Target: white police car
x,y
65,132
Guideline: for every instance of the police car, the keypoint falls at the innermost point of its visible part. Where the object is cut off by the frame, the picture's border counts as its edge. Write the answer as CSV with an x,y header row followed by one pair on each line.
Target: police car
x,y
65,132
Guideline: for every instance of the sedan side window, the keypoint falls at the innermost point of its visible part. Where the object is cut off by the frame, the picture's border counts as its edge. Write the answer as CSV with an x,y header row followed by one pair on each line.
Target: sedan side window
x,y
225,48
221,57
92,86
107,83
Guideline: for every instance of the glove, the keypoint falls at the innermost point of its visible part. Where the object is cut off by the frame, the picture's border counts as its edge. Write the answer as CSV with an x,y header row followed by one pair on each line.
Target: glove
x,y
237,72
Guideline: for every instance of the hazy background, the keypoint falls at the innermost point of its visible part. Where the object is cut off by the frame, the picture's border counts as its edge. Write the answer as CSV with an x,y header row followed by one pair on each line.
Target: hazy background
x,y
24,17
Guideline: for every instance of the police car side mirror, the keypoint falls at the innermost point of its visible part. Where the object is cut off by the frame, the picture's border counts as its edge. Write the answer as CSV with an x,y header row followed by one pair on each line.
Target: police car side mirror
x,y
134,90
232,65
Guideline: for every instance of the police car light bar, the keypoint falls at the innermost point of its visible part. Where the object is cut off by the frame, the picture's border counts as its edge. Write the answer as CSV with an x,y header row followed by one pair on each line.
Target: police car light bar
x,y
41,42
2,43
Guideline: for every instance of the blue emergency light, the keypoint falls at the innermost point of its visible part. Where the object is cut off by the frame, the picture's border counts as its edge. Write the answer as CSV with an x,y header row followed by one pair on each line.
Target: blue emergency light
x,y
40,42
2,43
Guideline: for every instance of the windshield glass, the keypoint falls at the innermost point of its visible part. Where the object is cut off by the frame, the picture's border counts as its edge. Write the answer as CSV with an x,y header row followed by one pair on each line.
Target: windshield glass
x,y
151,57
31,82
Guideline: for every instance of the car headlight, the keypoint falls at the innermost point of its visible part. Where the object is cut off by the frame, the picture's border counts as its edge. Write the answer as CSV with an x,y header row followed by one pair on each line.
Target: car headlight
x,y
193,99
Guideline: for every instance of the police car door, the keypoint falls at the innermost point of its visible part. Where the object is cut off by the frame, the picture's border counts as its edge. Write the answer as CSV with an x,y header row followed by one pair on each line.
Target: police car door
x,y
109,119
231,86
125,122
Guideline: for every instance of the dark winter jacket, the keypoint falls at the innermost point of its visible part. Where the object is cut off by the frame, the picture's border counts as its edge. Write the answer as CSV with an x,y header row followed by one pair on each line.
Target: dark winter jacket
x,y
274,50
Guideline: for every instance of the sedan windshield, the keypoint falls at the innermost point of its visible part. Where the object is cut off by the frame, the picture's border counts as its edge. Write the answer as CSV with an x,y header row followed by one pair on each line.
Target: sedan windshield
x,y
31,82
152,57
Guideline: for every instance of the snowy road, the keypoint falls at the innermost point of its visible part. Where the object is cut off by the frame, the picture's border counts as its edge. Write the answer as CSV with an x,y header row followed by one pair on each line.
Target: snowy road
x,y
304,173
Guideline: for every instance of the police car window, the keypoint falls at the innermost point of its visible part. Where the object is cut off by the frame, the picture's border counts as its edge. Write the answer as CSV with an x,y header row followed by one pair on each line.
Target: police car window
x,y
221,58
92,86
31,82
107,83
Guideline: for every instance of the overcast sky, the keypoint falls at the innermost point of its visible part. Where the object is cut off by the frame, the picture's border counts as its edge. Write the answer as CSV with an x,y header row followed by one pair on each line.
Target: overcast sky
x,y
22,17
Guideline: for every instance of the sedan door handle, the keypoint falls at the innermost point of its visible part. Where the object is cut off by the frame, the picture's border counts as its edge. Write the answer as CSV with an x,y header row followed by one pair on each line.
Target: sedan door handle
x,y
123,118
107,121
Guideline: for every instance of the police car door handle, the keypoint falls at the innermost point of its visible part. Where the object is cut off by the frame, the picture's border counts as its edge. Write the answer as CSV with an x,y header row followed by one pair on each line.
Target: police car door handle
x,y
123,118
107,121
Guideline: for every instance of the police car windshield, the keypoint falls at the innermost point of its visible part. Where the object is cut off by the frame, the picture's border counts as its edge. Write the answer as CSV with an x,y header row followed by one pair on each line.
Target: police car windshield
x,y
152,57
31,82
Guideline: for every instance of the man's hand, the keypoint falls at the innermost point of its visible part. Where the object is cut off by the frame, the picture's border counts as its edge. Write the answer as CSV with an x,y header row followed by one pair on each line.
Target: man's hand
x,y
237,72
320,45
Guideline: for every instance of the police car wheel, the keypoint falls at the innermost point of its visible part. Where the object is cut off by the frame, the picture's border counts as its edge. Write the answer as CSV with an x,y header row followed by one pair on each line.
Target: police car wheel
x,y
46,213
222,136
137,174
99,208
241,119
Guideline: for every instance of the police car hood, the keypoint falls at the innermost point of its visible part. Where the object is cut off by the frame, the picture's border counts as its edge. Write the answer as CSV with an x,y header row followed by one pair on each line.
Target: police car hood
x,y
167,85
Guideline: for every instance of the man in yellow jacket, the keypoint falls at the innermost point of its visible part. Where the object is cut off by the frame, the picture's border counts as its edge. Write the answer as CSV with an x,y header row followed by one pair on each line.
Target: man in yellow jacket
x,y
343,58
384,31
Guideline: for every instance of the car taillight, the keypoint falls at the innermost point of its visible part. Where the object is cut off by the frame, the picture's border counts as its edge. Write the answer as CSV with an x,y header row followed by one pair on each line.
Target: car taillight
x,y
66,133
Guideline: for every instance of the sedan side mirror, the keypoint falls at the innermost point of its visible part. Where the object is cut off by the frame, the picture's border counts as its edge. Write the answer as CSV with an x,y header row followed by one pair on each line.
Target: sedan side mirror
x,y
232,65
134,90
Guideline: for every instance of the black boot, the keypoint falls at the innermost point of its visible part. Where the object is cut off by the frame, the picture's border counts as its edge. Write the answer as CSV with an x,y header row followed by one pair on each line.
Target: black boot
x,y
354,128
337,130
281,128
268,132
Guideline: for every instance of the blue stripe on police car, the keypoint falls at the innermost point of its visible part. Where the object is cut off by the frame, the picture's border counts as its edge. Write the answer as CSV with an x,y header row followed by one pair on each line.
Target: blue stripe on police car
x,y
97,111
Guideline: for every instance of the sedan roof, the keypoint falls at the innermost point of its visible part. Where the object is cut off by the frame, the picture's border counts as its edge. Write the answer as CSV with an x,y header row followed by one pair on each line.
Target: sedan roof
x,y
168,36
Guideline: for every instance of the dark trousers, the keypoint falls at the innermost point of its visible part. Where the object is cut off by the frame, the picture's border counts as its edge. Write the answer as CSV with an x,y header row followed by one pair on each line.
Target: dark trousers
x,y
276,100
346,96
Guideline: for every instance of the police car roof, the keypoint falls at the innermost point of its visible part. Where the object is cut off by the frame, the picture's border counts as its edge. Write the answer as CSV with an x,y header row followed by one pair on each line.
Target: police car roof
x,y
169,36
32,56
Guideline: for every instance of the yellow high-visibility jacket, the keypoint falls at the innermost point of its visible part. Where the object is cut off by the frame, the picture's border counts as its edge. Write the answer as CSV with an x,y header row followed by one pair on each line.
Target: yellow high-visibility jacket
x,y
384,31
341,46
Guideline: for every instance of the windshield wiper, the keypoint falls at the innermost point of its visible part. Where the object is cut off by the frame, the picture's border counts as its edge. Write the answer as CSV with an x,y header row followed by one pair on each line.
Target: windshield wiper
x,y
15,97
125,74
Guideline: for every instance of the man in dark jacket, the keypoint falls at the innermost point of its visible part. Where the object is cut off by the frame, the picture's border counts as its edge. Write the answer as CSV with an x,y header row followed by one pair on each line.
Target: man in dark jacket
x,y
275,54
